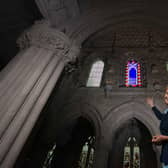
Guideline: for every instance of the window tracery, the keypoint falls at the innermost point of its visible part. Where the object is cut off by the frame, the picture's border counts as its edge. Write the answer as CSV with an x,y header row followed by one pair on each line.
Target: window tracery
x,y
131,154
87,154
133,74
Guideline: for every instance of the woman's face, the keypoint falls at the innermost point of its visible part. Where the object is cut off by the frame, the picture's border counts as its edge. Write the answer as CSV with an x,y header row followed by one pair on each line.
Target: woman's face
x,y
166,96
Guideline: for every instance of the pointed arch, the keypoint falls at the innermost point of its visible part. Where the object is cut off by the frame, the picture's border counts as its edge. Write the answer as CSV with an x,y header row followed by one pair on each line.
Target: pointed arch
x,y
131,109
130,144
133,74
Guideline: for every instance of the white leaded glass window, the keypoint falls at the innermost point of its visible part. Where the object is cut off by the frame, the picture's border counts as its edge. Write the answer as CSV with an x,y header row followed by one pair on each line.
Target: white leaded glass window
x,y
167,66
95,75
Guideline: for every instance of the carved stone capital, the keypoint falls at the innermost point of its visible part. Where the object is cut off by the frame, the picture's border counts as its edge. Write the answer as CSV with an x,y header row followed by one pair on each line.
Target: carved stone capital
x,y
43,36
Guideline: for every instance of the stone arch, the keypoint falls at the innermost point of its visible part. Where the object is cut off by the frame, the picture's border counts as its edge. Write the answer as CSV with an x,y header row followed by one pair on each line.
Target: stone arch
x,y
119,115
76,109
142,134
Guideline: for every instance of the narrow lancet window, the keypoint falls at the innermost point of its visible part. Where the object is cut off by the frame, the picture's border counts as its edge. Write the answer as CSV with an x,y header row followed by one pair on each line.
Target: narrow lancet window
x,y
133,74
95,75
127,155
131,154
87,154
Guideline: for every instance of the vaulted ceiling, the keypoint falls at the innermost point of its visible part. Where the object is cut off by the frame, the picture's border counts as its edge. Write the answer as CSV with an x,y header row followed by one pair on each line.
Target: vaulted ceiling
x,y
79,16
127,35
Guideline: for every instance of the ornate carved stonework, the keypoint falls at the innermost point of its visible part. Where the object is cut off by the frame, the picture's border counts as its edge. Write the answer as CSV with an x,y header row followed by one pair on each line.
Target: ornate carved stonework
x,y
43,36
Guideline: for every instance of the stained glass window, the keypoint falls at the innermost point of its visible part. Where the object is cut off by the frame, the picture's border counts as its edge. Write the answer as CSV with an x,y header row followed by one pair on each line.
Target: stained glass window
x,y
95,75
136,156
131,154
87,154
133,74
48,159
84,153
127,156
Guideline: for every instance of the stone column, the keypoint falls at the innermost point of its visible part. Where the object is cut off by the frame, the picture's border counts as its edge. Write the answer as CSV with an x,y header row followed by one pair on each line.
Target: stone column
x,y
101,154
26,83
58,12
43,6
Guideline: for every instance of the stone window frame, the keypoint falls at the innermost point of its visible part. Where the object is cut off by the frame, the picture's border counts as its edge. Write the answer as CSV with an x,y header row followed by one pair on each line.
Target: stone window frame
x,y
138,74
143,71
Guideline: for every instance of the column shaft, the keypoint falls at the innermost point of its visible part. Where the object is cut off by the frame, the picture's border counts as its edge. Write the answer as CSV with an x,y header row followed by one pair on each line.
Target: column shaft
x,y
101,155
31,118
26,83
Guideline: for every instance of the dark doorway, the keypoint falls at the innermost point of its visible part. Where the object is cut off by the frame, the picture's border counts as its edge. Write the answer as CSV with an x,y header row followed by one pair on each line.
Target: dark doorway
x,y
132,147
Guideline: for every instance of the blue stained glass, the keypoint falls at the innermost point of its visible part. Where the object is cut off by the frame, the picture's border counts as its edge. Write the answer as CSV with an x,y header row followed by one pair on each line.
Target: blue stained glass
x,y
132,76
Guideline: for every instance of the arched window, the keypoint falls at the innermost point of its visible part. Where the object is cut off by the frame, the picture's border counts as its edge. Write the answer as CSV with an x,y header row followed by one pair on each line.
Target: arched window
x,y
87,154
127,155
136,156
95,75
131,154
49,157
133,74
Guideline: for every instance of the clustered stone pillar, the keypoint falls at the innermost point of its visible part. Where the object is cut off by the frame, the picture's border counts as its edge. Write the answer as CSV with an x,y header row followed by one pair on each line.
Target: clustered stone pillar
x,y
26,83
101,153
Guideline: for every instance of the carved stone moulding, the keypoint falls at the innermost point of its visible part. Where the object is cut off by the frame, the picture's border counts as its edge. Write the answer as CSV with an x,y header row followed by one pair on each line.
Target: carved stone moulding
x,y
42,35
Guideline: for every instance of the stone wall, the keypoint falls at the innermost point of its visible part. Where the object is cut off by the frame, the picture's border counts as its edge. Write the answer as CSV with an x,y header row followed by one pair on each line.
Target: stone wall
x,y
107,112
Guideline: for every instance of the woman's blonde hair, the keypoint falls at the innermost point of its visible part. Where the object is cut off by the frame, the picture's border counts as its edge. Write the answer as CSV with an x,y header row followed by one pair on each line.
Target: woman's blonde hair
x,y
166,86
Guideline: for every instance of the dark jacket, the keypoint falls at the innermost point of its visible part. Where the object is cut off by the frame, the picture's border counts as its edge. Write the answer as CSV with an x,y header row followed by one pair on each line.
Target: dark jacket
x,y
164,131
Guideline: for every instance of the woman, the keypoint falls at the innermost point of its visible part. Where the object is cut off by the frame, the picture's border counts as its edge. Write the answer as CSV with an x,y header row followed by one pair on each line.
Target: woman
x,y
163,137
